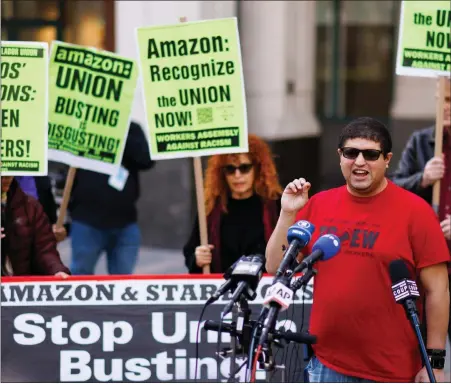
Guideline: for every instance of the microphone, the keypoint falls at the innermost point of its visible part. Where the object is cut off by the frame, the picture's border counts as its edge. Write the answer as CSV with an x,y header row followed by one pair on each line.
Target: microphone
x,y
280,295
406,292
326,247
278,298
228,284
248,274
404,289
298,236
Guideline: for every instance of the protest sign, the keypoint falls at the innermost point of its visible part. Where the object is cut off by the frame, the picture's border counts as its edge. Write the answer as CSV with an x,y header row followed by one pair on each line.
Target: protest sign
x,y
136,329
91,95
24,110
193,88
424,45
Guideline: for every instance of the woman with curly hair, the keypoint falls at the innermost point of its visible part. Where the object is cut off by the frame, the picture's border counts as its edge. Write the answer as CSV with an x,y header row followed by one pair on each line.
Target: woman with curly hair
x,y
242,202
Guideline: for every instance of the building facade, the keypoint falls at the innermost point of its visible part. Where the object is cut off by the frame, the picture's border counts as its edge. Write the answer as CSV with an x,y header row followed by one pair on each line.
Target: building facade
x,y
309,67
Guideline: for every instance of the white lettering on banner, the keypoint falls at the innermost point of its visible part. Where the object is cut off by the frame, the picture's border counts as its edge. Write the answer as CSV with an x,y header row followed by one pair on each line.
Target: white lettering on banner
x,y
158,324
27,324
78,366
75,361
158,328
137,370
22,324
127,292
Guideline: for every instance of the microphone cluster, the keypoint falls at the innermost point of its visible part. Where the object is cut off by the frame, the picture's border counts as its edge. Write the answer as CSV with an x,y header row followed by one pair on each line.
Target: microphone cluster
x,y
243,277
280,294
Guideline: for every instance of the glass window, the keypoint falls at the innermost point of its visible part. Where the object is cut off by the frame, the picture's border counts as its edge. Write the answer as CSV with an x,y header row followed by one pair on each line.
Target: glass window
x,y
78,22
355,57
44,34
4,34
30,9
87,23
325,57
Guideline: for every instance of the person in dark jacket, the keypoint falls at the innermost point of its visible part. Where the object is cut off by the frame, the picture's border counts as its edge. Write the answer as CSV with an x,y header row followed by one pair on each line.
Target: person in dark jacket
x,y
419,169
104,214
28,245
242,194
40,187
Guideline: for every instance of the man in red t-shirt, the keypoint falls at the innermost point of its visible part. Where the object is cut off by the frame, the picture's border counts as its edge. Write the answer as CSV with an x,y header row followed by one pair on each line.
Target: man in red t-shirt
x,y
363,334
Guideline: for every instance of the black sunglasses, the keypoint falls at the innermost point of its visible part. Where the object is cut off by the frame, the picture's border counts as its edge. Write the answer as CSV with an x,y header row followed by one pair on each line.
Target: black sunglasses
x,y
243,168
368,154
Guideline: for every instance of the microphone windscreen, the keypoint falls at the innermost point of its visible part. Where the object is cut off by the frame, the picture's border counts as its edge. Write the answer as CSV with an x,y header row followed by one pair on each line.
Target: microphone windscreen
x,y
329,244
301,231
398,271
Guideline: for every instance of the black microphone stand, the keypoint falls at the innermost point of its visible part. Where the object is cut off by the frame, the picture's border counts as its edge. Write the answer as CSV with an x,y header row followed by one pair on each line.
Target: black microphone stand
x,y
413,316
266,360
240,332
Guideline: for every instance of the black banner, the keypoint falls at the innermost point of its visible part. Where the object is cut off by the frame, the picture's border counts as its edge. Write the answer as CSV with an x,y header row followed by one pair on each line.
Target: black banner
x,y
129,331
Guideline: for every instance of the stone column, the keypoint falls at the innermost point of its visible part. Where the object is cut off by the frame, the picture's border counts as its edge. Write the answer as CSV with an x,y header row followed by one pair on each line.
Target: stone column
x,y
299,115
413,108
263,34
414,98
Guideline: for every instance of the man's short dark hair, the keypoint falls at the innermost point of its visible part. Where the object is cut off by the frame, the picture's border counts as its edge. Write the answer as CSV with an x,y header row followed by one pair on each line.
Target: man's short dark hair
x,y
367,128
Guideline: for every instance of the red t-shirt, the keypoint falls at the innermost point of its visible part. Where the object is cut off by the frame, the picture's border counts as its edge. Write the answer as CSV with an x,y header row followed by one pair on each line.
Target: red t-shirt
x,y
361,330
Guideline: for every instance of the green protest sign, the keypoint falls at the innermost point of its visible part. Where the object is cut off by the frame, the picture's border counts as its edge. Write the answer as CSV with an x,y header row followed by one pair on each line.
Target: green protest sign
x,y
193,88
24,75
91,96
424,45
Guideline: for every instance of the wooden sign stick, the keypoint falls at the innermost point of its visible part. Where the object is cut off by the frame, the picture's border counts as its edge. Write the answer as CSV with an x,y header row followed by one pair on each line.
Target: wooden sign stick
x,y
66,196
438,150
198,177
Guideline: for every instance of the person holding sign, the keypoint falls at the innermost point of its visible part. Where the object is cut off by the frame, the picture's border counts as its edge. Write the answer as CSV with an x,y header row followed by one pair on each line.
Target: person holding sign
x,y
28,245
104,214
242,194
419,169
363,334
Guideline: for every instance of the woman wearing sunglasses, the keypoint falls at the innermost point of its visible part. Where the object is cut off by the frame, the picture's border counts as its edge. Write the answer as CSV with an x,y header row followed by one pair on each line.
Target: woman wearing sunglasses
x,y
242,202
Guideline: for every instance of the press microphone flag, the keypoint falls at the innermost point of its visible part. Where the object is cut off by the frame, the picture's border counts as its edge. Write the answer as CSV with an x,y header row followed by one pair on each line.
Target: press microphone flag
x,y
280,294
402,287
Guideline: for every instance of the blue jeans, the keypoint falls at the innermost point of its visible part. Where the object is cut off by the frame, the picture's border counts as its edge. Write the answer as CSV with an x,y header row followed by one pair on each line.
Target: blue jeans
x,y
121,246
317,372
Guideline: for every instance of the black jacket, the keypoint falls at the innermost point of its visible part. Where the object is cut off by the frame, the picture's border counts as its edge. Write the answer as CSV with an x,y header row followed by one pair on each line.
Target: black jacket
x,y
46,198
418,151
94,202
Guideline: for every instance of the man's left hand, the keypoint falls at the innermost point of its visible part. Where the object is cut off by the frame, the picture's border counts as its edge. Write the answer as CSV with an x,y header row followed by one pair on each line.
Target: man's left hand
x,y
63,275
422,376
